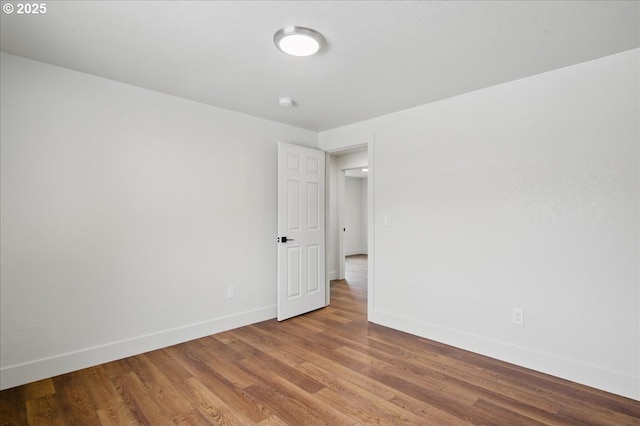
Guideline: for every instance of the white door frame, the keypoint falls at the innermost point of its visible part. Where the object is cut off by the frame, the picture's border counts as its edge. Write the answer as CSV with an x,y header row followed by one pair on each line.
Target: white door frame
x,y
370,219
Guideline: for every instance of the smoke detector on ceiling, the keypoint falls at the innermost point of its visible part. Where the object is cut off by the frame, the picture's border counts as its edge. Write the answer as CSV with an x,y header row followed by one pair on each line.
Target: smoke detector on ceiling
x,y
285,102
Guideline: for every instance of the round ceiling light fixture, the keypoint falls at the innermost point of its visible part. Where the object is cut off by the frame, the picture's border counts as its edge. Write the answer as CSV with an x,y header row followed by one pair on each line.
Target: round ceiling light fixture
x,y
298,41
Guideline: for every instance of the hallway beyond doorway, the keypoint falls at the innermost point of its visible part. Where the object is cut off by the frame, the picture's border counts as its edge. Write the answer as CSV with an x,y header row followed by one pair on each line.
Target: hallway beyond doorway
x,y
356,270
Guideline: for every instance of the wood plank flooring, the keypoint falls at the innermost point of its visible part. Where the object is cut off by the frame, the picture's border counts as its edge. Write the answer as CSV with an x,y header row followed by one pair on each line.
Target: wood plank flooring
x,y
355,270
327,367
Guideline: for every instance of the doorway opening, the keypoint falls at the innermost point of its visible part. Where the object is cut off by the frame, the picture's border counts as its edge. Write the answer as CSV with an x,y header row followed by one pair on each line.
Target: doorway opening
x,y
354,213
348,213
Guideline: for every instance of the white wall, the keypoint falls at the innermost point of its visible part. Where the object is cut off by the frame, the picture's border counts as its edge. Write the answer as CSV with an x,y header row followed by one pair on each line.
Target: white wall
x,y
355,236
125,216
523,195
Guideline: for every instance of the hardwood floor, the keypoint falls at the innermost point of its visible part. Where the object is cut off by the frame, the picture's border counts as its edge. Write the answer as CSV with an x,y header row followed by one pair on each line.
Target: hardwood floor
x,y
327,367
355,270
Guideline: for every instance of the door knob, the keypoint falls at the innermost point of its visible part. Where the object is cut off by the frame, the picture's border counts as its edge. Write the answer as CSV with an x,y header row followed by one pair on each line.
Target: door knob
x,y
284,239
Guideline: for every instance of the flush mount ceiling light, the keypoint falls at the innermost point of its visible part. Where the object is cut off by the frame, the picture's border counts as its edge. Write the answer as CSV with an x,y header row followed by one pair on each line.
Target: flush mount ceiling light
x,y
298,41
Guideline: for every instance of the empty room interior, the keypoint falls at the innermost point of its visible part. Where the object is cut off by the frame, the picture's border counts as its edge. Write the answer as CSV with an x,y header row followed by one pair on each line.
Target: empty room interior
x,y
185,187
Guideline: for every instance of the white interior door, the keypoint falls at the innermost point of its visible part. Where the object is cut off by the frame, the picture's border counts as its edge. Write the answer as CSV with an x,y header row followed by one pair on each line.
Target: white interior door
x,y
301,230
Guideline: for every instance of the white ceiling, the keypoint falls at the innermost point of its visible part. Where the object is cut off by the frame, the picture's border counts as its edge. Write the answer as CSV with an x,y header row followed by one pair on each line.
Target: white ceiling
x,y
382,56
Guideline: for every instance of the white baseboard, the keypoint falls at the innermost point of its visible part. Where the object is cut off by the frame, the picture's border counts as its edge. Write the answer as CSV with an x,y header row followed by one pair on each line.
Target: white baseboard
x,y
575,371
28,372
333,275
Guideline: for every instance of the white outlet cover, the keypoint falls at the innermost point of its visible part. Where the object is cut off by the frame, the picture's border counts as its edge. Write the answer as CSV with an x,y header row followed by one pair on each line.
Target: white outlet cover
x,y
517,316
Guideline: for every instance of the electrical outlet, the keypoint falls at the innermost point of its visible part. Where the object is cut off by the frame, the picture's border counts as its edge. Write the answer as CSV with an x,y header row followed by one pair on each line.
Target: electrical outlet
x,y
231,292
517,316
